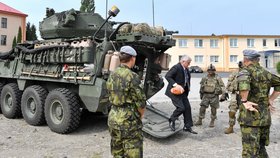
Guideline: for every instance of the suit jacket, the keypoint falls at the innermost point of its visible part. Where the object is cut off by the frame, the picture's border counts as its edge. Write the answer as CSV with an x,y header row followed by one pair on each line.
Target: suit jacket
x,y
177,75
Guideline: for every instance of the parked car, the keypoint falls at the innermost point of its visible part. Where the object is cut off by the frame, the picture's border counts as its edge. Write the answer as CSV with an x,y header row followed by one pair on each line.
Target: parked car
x,y
195,69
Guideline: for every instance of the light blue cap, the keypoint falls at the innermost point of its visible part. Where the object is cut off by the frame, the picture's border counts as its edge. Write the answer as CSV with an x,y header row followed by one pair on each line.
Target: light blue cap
x,y
251,54
128,50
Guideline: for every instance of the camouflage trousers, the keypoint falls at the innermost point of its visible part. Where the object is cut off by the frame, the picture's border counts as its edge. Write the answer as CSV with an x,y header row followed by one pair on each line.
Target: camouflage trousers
x,y
233,108
126,143
213,101
254,140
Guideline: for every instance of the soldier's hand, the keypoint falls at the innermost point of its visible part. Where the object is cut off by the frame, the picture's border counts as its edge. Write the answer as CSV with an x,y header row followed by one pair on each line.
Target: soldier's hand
x,y
271,108
271,102
141,111
227,96
250,106
224,97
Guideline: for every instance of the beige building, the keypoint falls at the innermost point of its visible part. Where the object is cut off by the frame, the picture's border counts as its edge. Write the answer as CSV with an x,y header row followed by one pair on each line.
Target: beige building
x,y
224,51
11,20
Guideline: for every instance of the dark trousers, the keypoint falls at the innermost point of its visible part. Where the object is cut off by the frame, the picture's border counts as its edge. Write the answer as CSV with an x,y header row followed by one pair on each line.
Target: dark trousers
x,y
183,106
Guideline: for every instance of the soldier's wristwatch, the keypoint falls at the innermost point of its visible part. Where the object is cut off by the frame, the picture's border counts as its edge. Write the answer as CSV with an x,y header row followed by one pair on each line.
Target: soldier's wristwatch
x,y
243,101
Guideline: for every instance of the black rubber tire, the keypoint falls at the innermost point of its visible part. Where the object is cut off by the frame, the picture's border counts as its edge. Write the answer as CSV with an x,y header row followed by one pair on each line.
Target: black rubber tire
x,y
62,111
1,87
32,105
10,101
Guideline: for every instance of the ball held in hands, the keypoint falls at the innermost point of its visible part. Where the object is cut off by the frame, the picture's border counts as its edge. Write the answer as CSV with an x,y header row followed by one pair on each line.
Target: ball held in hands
x,y
177,90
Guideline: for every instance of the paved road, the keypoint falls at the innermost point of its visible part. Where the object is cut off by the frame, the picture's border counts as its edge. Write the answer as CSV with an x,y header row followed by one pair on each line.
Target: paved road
x,y
92,139
210,142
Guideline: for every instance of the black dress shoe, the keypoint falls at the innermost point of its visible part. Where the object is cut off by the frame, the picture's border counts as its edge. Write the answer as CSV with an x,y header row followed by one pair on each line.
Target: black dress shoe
x,y
172,125
189,130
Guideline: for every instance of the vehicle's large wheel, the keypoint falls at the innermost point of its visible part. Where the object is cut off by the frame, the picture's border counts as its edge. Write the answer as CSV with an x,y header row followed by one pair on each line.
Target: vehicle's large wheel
x,y
10,100
62,111
32,105
1,87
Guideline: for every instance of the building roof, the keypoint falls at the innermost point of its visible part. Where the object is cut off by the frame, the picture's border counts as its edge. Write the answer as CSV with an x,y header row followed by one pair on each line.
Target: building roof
x,y
9,10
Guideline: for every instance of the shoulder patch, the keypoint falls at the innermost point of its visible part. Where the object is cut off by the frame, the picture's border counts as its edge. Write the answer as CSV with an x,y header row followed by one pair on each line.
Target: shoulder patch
x,y
243,75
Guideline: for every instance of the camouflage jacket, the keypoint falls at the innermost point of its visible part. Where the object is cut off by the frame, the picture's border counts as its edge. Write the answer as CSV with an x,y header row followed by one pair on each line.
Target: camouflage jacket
x,y
258,82
232,85
126,96
212,83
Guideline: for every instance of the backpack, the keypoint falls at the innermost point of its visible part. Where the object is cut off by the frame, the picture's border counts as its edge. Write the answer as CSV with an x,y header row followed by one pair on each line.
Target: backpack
x,y
211,85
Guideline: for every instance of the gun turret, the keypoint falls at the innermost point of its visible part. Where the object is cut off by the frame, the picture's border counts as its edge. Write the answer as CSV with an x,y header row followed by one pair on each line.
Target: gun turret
x,y
167,32
71,24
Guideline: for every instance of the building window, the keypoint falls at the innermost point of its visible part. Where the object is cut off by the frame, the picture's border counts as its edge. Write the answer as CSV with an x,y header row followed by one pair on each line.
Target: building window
x,y
233,42
214,58
264,42
213,43
183,43
3,40
198,58
233,58
198,43
277,42
250,42
4,23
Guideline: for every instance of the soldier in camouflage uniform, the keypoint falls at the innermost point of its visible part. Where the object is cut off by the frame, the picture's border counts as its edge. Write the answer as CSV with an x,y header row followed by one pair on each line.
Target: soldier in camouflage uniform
x,y
211,86
232,88
128,103
254,83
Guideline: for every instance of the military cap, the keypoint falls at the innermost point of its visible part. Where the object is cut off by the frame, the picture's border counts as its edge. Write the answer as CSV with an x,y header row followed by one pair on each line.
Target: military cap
x,y
128,50
251,54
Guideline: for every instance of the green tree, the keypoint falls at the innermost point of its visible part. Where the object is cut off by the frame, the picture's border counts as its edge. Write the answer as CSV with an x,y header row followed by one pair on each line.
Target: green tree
x,y
14,42
33,32
87,6
19,36
28,32
278,67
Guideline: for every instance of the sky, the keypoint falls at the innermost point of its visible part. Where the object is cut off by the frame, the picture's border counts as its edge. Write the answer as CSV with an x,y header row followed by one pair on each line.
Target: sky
x,y
189,17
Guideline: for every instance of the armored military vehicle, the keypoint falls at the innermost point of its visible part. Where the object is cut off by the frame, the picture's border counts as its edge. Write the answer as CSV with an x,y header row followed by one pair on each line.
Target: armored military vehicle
x,y
52,80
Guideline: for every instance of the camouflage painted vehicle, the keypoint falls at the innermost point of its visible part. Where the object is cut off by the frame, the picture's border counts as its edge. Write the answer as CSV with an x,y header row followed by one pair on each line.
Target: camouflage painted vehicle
x,y
51,81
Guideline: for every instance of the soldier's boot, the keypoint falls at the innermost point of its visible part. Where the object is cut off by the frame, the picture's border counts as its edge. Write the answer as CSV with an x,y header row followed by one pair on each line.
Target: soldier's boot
x,y
231,115
213,116
198,122
212,123
202,110
229,130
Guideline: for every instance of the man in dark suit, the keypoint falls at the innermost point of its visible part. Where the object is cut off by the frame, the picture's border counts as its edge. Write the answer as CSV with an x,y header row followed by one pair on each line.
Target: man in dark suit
x,y
179,77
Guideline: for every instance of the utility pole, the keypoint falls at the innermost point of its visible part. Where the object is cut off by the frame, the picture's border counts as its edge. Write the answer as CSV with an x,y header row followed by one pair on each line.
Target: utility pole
x,y
153,13
106,13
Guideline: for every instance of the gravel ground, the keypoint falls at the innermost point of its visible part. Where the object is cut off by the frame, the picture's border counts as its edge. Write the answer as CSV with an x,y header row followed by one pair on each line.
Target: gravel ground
x,y
18,139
